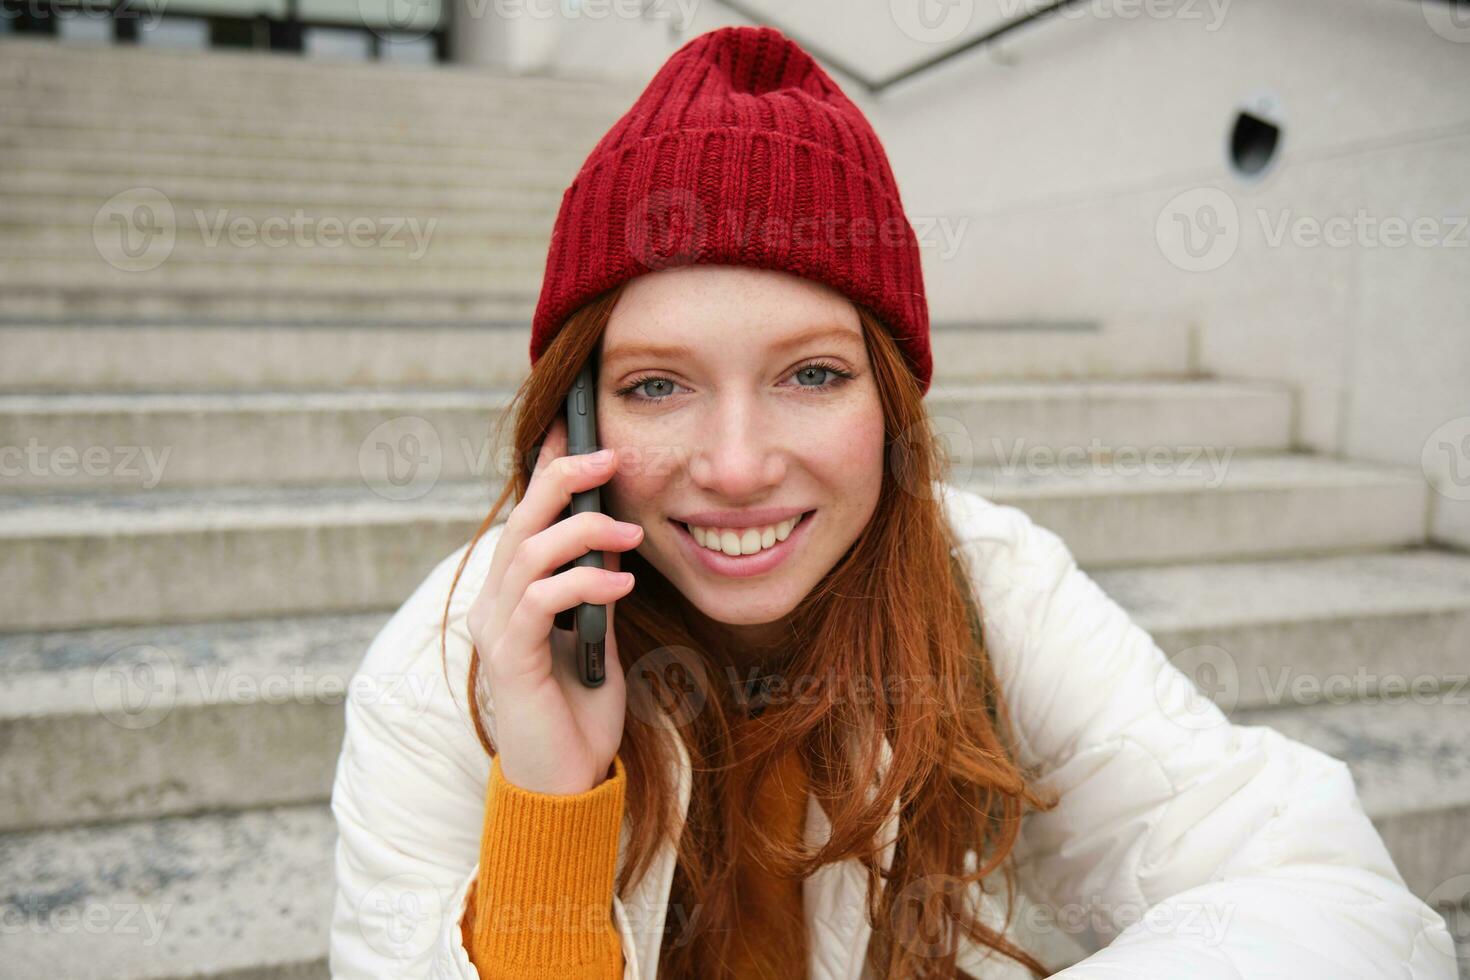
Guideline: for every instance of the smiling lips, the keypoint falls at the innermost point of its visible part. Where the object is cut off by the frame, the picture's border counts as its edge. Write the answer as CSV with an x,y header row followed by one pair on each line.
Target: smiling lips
x,y
712,553
739,541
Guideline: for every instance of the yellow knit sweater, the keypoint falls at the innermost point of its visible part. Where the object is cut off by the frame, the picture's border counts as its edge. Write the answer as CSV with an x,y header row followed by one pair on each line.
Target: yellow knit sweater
x,y
541,906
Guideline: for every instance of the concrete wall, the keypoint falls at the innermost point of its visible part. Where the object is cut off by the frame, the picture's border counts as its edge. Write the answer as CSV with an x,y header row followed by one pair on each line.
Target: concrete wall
x,y
1056,175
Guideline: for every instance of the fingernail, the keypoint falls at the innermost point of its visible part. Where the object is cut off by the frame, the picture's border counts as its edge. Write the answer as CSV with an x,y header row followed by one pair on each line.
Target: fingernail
x,y
602,456
629,530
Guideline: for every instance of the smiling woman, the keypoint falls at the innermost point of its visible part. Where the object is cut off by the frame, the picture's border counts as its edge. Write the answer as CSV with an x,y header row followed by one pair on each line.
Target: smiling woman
x,y
738,446
749,434
948,706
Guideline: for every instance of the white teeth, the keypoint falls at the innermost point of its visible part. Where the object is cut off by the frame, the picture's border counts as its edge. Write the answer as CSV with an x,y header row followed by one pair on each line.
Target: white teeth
x,y
742,541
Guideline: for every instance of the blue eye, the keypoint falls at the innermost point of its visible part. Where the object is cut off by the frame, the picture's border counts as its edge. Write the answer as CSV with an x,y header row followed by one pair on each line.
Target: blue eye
x,y
841,377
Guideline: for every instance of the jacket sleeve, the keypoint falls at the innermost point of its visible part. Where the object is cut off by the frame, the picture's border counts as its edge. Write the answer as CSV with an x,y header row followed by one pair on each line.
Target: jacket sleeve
x,y
1182,845
411,796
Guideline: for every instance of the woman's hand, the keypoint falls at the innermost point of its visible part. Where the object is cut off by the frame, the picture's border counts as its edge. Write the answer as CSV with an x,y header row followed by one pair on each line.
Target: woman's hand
x,y
554,735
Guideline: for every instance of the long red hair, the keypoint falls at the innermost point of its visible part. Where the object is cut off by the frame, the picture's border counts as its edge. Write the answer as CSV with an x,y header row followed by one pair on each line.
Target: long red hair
x,y
895,639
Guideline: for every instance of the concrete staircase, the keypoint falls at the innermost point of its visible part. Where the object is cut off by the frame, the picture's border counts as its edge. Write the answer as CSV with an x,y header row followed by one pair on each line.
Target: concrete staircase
x,y
209,523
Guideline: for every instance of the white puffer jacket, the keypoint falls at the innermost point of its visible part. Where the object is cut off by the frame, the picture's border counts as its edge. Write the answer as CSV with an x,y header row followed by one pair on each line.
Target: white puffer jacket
x,y
1183,845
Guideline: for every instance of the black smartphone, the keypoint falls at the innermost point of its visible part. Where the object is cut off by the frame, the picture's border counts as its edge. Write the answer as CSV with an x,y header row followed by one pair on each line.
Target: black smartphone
x,y
588,619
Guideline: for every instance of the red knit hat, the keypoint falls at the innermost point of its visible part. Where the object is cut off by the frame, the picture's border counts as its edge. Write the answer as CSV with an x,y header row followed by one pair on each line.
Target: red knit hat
x,y
741,151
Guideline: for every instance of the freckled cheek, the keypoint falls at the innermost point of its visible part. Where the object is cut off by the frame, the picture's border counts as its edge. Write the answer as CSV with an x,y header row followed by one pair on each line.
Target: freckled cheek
x,y
645,467
851,447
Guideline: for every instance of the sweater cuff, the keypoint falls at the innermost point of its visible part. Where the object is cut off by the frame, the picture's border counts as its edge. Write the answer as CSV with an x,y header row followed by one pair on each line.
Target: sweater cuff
x,y
543,897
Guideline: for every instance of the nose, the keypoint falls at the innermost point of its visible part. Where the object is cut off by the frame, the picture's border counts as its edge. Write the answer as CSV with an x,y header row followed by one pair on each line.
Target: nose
x,y
738,455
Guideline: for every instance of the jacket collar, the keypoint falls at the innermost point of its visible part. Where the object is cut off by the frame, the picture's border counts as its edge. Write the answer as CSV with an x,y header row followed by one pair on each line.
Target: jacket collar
x,y
834,898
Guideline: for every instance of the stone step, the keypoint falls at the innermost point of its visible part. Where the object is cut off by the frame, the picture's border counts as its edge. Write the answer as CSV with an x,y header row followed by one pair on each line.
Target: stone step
x,y
71,560
247,79
530,129
201,554
582,105
507,167
125,722
225,438
215,146
69,355
153,302
1411,764
1297,631
201,86
359,246
1211,506
56,224
122,722
995,423
237,895
250,894
66,194
312,280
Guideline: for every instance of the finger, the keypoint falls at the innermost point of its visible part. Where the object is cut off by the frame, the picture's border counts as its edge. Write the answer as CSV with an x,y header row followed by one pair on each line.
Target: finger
x,y
517,528
543,553
523,651
553,444
549,494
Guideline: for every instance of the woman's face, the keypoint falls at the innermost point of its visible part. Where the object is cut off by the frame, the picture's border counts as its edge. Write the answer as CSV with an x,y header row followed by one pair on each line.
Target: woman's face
x,y
753,416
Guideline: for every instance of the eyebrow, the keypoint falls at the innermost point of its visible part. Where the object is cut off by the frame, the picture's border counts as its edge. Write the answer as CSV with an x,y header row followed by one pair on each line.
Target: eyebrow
x,y
683,350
